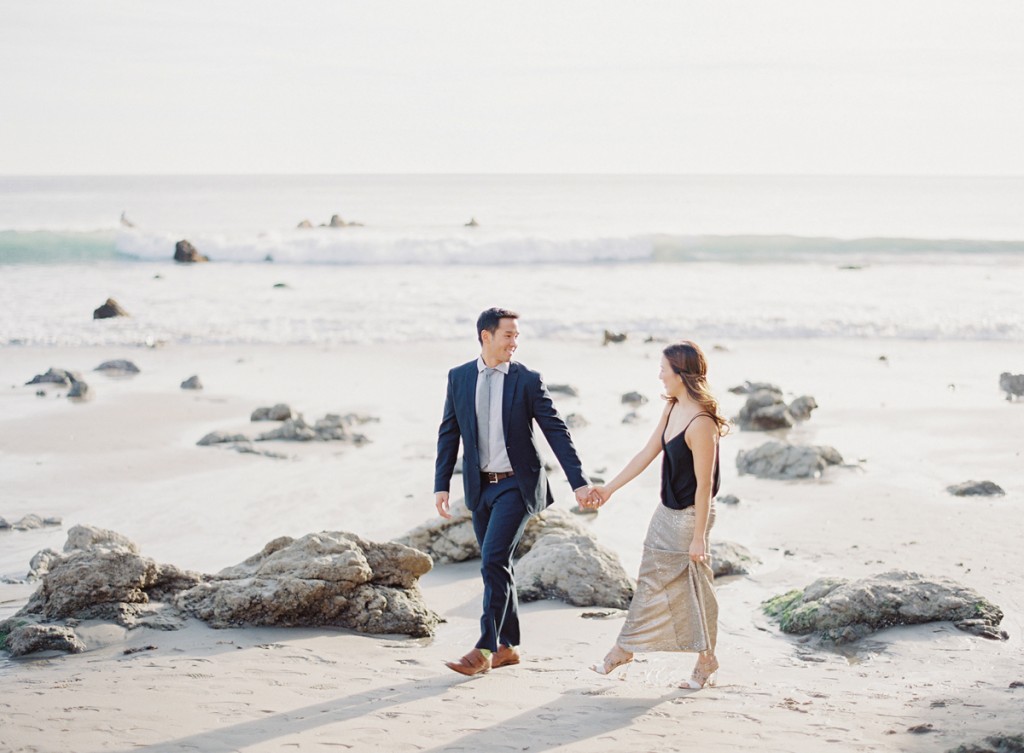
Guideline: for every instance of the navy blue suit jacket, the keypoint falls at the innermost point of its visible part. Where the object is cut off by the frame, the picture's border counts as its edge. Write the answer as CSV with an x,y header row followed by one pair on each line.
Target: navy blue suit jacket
x,y
525,399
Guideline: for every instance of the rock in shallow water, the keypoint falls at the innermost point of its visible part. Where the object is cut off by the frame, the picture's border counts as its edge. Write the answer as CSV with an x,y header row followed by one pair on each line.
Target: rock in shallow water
x,y
844,611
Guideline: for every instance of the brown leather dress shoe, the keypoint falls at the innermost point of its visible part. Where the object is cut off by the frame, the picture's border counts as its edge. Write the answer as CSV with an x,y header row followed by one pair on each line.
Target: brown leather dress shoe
x,y
473,663
505,656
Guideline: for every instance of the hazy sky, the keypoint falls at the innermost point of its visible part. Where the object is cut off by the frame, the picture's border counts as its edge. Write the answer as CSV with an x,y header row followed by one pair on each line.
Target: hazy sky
x,y
715,86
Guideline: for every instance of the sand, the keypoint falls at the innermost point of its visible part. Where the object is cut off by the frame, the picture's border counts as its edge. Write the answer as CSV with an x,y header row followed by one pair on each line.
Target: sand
x,y
927,416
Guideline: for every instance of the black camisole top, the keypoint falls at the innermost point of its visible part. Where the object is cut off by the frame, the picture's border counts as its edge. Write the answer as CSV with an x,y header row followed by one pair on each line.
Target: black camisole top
x,y
678,480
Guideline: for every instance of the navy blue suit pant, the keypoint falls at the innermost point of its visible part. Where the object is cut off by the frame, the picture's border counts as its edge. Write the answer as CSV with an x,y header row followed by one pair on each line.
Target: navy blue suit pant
x,y
499,521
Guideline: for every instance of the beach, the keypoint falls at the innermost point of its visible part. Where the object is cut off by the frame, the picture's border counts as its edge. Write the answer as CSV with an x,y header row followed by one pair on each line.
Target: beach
x,y
927,416
893,302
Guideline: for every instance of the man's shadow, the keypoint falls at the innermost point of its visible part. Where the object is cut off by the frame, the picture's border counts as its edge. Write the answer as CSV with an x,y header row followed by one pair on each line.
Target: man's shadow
x,y
576,716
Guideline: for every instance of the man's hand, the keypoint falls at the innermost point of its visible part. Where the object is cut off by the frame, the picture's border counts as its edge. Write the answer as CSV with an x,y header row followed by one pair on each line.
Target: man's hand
x,y
583,496
441,503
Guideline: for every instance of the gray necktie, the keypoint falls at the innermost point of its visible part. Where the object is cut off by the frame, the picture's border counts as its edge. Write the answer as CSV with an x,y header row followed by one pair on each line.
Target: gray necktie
x,y
483,418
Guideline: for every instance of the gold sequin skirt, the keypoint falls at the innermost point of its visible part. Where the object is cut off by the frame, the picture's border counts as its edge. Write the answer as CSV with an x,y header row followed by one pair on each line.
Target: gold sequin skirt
x,y
674,607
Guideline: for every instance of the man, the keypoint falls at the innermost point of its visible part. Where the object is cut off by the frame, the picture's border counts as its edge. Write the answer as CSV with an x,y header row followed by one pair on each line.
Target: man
x,y
491,406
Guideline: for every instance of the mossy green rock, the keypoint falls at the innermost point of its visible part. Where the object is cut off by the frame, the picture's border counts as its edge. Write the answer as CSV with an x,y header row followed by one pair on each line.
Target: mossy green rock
x,y
993,744
844,611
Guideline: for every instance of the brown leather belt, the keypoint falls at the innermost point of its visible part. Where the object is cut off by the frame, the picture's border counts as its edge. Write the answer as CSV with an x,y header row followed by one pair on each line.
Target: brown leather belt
x,y
492,478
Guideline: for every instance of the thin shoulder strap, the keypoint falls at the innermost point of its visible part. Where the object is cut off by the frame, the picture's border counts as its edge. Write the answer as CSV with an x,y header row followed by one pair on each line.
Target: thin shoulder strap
x,y
702,413
665,428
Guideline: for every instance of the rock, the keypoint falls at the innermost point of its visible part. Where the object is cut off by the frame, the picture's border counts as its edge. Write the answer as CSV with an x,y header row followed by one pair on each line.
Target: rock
x,y
101,575
576,421
472,223
61,377
186,253
293,430
323,579
40,393
727,499
786,461
41,563
573,568
304,225
749,388
109,310
279,412
634,399
120,366
801,408
22,638
281,285
336,221
79,390
83,538
632,418
453,540
28,523
614,337
4,524
1001,743
728,558
192,383
564,389
976,489
764,411
842,611
1012,384
221,437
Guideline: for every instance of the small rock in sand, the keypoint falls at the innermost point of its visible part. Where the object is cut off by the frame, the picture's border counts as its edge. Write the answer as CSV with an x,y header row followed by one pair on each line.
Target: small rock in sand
x,y
613,337
727,499
634,399
749,388
976,489
192,383
1012,385
118,367
60,377
278,412
79,390
576,421
781,460
220,437
564,389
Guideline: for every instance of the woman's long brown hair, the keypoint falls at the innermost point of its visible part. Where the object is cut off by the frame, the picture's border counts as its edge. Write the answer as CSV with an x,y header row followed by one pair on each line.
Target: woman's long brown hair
x,y
688,361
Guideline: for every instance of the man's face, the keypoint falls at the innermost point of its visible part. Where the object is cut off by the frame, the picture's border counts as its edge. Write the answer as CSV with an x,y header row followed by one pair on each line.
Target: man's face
x,y
502,344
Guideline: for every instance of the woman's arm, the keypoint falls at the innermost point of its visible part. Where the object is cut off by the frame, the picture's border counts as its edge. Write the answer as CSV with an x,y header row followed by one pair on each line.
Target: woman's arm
x,y
640,461
702,439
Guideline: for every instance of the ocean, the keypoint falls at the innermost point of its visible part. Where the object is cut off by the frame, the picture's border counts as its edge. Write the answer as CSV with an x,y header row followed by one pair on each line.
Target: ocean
x,y
664,256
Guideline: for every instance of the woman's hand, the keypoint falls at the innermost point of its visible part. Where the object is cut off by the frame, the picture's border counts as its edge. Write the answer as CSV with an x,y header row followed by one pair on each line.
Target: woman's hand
x,y
699,551
598,496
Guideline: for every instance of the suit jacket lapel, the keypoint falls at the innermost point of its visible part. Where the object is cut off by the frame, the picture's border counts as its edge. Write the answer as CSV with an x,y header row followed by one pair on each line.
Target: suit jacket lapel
x,y
506,397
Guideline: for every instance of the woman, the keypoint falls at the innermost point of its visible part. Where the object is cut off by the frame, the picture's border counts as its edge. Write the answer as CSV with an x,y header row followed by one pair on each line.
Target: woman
x,y
674,607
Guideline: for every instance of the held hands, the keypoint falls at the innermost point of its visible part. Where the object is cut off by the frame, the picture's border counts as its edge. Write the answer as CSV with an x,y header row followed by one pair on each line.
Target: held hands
x,y
441,503
592,497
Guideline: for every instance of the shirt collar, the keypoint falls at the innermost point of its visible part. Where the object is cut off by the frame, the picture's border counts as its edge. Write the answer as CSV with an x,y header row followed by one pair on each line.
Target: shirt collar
x,y
480,365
